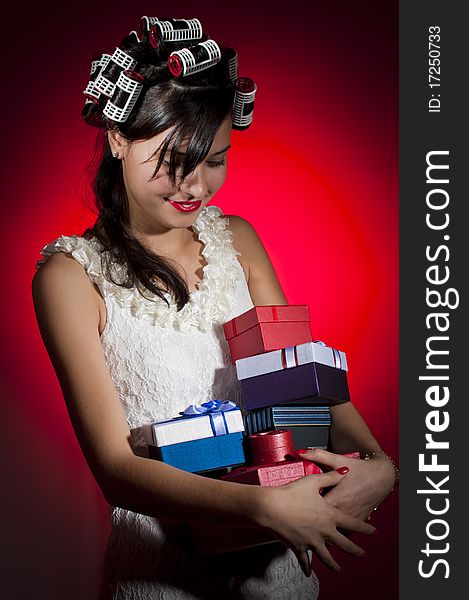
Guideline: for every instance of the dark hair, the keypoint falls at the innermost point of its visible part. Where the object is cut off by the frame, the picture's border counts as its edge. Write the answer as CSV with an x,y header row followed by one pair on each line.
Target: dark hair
x,y
195,106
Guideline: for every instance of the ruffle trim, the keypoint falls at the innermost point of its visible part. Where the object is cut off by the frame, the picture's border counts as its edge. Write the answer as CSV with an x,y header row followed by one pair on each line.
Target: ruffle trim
x,y
209,304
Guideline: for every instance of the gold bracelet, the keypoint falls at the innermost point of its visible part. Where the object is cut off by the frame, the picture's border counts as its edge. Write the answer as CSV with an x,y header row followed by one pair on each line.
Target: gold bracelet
x,y
369,455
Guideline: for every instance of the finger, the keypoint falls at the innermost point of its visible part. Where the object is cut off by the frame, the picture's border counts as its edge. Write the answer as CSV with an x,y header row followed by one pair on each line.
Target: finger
x,y
304,562
345,532
326,558
331,478
346,544
354,524
323,457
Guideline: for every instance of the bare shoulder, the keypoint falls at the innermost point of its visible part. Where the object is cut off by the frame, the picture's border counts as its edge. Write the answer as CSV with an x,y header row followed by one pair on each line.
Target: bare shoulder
x,y
263,284
58,265
245,239
242,230
62,281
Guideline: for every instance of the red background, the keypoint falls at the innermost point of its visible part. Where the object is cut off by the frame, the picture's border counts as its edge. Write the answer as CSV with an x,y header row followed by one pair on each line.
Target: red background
x,y
316,175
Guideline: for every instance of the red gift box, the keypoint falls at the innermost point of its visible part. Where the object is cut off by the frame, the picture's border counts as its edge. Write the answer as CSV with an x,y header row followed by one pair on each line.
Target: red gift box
x,y
273,475
274,461
266,328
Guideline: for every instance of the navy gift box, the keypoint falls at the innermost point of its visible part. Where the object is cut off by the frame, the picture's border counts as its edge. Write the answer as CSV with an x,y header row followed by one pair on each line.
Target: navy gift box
x,y
310,425
311,383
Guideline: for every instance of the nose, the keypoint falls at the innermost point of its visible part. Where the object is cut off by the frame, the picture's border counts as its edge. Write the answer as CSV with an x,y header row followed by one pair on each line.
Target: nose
x,y
195,184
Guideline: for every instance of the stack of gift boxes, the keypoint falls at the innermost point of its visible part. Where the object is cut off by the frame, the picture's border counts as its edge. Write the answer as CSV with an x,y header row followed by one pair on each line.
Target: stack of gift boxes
x,y
288,382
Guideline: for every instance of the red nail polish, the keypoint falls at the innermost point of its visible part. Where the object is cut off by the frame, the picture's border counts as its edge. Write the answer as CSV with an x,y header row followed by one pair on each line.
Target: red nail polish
x,y
343,470
302,451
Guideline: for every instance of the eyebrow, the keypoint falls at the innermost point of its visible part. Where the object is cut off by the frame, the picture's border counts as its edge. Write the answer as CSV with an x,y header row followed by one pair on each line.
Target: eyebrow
x,y
213,154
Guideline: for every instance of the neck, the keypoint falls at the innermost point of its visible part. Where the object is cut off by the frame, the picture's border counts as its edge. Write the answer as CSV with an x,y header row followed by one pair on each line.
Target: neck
x,y
171,242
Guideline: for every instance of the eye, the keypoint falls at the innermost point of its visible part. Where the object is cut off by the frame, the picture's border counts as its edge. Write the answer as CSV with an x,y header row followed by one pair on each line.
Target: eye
x,y
166,164
214,164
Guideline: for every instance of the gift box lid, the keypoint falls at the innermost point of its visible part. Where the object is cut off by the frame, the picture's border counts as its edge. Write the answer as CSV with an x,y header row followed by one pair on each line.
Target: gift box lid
x,y
188,428
294,356
273,475
265,314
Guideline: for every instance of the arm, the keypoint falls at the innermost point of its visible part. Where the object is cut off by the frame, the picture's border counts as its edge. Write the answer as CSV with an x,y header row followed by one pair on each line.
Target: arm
x,y
349,431
369,481
68,318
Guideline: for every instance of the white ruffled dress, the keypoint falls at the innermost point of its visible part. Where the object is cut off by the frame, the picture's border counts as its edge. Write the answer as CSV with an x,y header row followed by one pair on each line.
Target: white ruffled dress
x,y
160,361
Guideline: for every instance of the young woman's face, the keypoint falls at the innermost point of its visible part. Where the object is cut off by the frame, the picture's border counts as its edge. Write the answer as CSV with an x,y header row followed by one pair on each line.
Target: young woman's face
x,y
156,203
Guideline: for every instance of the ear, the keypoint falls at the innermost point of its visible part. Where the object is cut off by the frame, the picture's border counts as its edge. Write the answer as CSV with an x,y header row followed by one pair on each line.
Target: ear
x,y
117,142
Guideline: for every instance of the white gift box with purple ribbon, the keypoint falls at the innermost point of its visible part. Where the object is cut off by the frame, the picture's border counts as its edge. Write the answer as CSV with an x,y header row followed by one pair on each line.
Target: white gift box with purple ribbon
x,y
306,374
197,422
277,360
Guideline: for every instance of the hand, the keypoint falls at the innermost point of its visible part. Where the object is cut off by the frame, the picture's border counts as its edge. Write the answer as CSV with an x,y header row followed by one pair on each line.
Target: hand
x,y
299,516
365,487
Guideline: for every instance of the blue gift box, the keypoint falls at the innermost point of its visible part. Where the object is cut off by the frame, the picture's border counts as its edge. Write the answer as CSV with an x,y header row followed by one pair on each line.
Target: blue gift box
x,y
203,455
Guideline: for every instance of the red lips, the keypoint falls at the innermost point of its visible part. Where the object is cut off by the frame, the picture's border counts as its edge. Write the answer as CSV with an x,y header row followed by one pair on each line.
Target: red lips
x,y
185,206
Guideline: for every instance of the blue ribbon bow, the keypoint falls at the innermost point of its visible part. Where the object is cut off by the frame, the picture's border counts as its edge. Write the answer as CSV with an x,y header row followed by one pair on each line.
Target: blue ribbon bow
x,y
215,410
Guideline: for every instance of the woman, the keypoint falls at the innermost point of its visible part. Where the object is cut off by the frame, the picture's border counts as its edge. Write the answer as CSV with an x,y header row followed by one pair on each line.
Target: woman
x,y
131,314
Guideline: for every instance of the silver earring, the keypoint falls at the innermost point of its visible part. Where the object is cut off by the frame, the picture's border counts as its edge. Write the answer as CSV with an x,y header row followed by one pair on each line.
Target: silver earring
x,y
116,154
